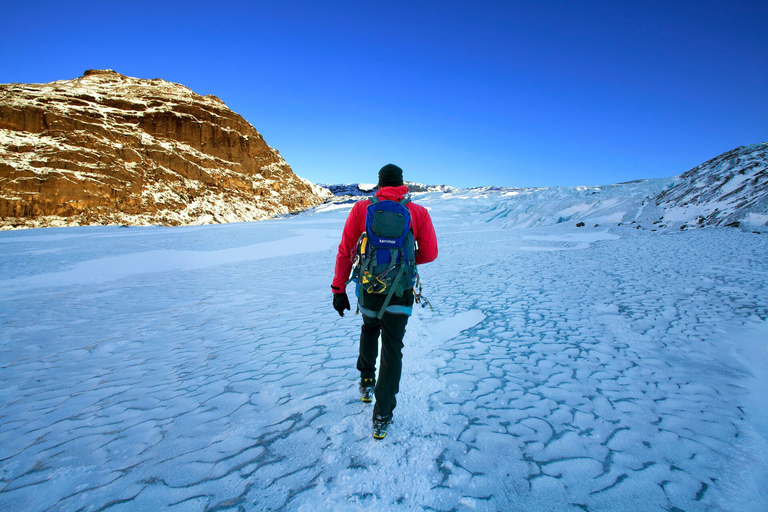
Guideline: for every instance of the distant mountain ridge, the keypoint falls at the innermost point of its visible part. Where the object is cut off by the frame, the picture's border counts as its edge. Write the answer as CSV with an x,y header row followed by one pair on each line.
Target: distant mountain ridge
x,y
349,192
110,149
728,190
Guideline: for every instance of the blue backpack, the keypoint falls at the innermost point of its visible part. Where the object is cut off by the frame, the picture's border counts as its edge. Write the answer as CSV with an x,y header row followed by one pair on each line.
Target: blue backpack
x,y
385,260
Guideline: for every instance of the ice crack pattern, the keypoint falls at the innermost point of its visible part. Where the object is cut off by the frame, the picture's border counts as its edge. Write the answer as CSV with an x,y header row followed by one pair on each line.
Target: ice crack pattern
x,y
559,371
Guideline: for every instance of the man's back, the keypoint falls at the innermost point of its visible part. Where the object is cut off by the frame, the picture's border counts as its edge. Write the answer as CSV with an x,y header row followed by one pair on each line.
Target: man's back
x,y
421,223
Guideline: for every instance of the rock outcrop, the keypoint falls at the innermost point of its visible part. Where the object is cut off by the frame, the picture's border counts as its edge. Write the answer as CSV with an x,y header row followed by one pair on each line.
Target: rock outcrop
x,y
728,190
106,148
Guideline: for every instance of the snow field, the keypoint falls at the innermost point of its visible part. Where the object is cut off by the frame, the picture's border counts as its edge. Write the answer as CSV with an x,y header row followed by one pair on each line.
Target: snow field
x,y
203,368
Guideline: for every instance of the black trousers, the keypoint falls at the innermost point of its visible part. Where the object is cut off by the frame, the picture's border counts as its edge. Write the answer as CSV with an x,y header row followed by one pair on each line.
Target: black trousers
x,y
392,329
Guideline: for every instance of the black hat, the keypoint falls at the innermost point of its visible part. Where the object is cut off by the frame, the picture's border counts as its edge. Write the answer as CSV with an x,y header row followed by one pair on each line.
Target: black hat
x,y
390,176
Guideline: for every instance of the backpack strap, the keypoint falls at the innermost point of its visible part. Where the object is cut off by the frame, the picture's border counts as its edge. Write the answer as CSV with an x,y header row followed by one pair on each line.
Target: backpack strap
x,y
391,291
373,199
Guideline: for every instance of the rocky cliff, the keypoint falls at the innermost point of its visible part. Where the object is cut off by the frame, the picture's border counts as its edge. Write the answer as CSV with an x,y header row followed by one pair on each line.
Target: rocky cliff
x,y
106,148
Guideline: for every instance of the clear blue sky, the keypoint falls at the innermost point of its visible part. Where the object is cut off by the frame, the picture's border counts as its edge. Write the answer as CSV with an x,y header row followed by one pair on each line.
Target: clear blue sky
x,y
467,93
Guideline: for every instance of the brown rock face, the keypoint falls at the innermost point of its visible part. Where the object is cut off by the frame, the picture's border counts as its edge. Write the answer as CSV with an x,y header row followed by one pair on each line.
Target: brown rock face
x,y
105,148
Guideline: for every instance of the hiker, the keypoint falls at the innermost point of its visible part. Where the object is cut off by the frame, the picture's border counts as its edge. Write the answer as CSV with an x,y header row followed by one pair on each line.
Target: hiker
x,y
383,309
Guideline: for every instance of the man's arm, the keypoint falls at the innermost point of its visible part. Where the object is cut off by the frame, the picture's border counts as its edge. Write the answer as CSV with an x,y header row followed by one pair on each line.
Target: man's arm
x,y
426,239
346,254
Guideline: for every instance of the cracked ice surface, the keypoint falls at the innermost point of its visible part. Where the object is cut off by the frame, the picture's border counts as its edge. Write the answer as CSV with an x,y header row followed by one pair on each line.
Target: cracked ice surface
x,y
202,368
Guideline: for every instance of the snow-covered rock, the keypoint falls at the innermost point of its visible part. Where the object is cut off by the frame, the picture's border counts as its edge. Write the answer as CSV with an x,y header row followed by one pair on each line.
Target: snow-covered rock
x,y
110,149
420,187
534,207
731,189
351,189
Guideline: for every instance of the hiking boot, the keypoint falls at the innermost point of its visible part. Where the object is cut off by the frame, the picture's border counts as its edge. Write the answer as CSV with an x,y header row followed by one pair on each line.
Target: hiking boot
x,y
380,424
366,389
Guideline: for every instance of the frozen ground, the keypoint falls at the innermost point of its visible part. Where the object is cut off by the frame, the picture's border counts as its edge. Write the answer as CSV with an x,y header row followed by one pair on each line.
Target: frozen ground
x,y
203,368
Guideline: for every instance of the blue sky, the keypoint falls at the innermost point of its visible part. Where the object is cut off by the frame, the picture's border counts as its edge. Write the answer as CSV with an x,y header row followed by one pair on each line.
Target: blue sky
x,y
509,93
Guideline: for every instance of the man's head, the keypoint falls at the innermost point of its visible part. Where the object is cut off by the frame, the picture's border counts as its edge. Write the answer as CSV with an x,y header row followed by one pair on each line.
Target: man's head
x,y
390,176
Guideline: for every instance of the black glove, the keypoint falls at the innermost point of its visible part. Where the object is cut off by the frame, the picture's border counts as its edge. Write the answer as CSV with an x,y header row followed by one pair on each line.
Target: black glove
x,y
340,303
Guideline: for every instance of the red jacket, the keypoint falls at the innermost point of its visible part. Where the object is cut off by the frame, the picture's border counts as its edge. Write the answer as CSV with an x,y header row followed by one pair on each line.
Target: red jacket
x,y
423,232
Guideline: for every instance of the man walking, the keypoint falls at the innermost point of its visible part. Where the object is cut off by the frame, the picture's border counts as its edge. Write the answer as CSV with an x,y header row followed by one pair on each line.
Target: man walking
x,y
383,311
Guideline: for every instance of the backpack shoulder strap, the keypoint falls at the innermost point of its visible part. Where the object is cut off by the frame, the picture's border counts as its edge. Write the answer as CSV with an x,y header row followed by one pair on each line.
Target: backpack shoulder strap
x,y
404,201
373,199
